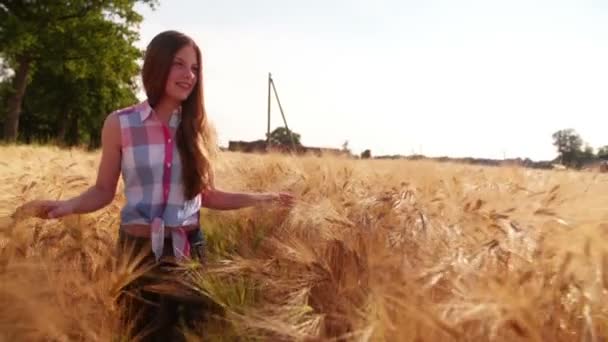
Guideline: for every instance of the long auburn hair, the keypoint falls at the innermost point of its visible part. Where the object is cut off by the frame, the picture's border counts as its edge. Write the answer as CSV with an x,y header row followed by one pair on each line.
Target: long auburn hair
x,y
195,136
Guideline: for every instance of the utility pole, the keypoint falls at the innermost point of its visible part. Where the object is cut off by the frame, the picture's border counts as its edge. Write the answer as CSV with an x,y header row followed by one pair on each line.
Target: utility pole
x,y
268,129
271,84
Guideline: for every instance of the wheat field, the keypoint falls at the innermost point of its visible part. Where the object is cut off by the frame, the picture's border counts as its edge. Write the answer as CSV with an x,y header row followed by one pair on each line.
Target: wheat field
x,y
374,250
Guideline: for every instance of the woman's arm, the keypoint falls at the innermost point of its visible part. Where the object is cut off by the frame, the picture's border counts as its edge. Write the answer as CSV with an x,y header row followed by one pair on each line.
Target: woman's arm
x,y
104,190
222,200
98,195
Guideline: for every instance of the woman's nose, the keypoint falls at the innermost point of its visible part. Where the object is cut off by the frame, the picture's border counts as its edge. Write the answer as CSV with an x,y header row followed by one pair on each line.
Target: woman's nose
x,y
190,74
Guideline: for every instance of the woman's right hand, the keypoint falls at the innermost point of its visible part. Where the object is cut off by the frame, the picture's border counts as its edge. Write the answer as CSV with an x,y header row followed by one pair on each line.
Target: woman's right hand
x,y
47,209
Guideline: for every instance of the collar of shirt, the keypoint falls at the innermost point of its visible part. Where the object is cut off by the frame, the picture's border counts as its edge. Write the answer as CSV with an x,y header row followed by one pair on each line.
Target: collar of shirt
x,y
146,110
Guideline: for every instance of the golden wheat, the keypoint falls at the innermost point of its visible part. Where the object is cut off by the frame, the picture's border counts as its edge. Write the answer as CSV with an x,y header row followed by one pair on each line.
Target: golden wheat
x,y
374,250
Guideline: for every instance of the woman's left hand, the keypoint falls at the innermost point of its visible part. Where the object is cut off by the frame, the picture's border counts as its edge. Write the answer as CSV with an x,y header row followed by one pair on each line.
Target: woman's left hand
x,y
283,198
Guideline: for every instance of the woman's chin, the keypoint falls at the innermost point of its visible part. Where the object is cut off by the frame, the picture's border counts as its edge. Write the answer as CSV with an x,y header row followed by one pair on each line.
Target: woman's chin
x,y
179,97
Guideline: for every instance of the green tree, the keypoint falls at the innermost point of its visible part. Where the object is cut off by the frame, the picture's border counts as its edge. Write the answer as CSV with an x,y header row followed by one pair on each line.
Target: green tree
x,y
568,144
282,136
70,98
70,107
586,156
80,37
602,153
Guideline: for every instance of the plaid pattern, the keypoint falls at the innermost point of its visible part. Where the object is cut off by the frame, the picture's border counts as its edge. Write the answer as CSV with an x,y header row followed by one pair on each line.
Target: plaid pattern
x,y
152,175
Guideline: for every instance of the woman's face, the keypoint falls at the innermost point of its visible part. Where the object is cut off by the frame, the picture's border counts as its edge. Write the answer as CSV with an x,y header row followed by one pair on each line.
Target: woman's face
x,y
183,74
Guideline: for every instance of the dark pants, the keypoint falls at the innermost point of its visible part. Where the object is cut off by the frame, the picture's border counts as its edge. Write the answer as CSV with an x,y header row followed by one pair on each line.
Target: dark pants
x,y
152,303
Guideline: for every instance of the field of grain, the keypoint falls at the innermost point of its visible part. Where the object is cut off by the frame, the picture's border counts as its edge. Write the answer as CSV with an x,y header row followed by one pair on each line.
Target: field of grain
x,y
374,250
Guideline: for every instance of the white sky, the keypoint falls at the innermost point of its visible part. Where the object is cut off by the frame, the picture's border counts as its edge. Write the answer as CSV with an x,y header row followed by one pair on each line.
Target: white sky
x,y
455,78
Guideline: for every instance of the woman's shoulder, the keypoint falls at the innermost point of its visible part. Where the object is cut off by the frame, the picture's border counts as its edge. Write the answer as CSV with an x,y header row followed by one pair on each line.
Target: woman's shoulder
x,y
131,116
132,109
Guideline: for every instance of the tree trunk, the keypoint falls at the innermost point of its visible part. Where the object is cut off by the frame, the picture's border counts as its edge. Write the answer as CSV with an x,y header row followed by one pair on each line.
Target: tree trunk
x,y
63,124
11,125
63,128
73,133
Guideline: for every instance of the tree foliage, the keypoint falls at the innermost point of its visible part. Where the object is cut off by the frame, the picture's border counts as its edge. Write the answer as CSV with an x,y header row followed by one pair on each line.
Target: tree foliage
x,y
568,144
282,136
571,152
73,62
602,153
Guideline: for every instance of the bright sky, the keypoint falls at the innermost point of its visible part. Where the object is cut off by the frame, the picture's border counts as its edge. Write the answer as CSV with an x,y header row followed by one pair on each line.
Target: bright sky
x,y
457,78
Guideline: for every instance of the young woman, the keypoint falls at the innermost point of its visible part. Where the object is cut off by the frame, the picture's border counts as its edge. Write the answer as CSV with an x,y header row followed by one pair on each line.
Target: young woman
x,y
164,149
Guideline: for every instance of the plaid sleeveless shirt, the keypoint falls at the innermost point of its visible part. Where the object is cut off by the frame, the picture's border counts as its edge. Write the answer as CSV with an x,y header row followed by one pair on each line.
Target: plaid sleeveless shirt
x,y
152,174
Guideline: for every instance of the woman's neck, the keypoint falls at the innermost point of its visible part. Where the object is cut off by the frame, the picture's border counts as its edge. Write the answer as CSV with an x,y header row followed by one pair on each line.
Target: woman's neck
x,y
164,108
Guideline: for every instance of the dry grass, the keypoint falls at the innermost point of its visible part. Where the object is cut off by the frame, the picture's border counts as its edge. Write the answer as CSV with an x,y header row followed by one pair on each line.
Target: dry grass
x,y
373,251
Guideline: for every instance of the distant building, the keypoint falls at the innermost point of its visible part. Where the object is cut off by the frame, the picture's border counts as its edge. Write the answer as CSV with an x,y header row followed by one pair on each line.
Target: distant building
x,y
259,146
600,166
